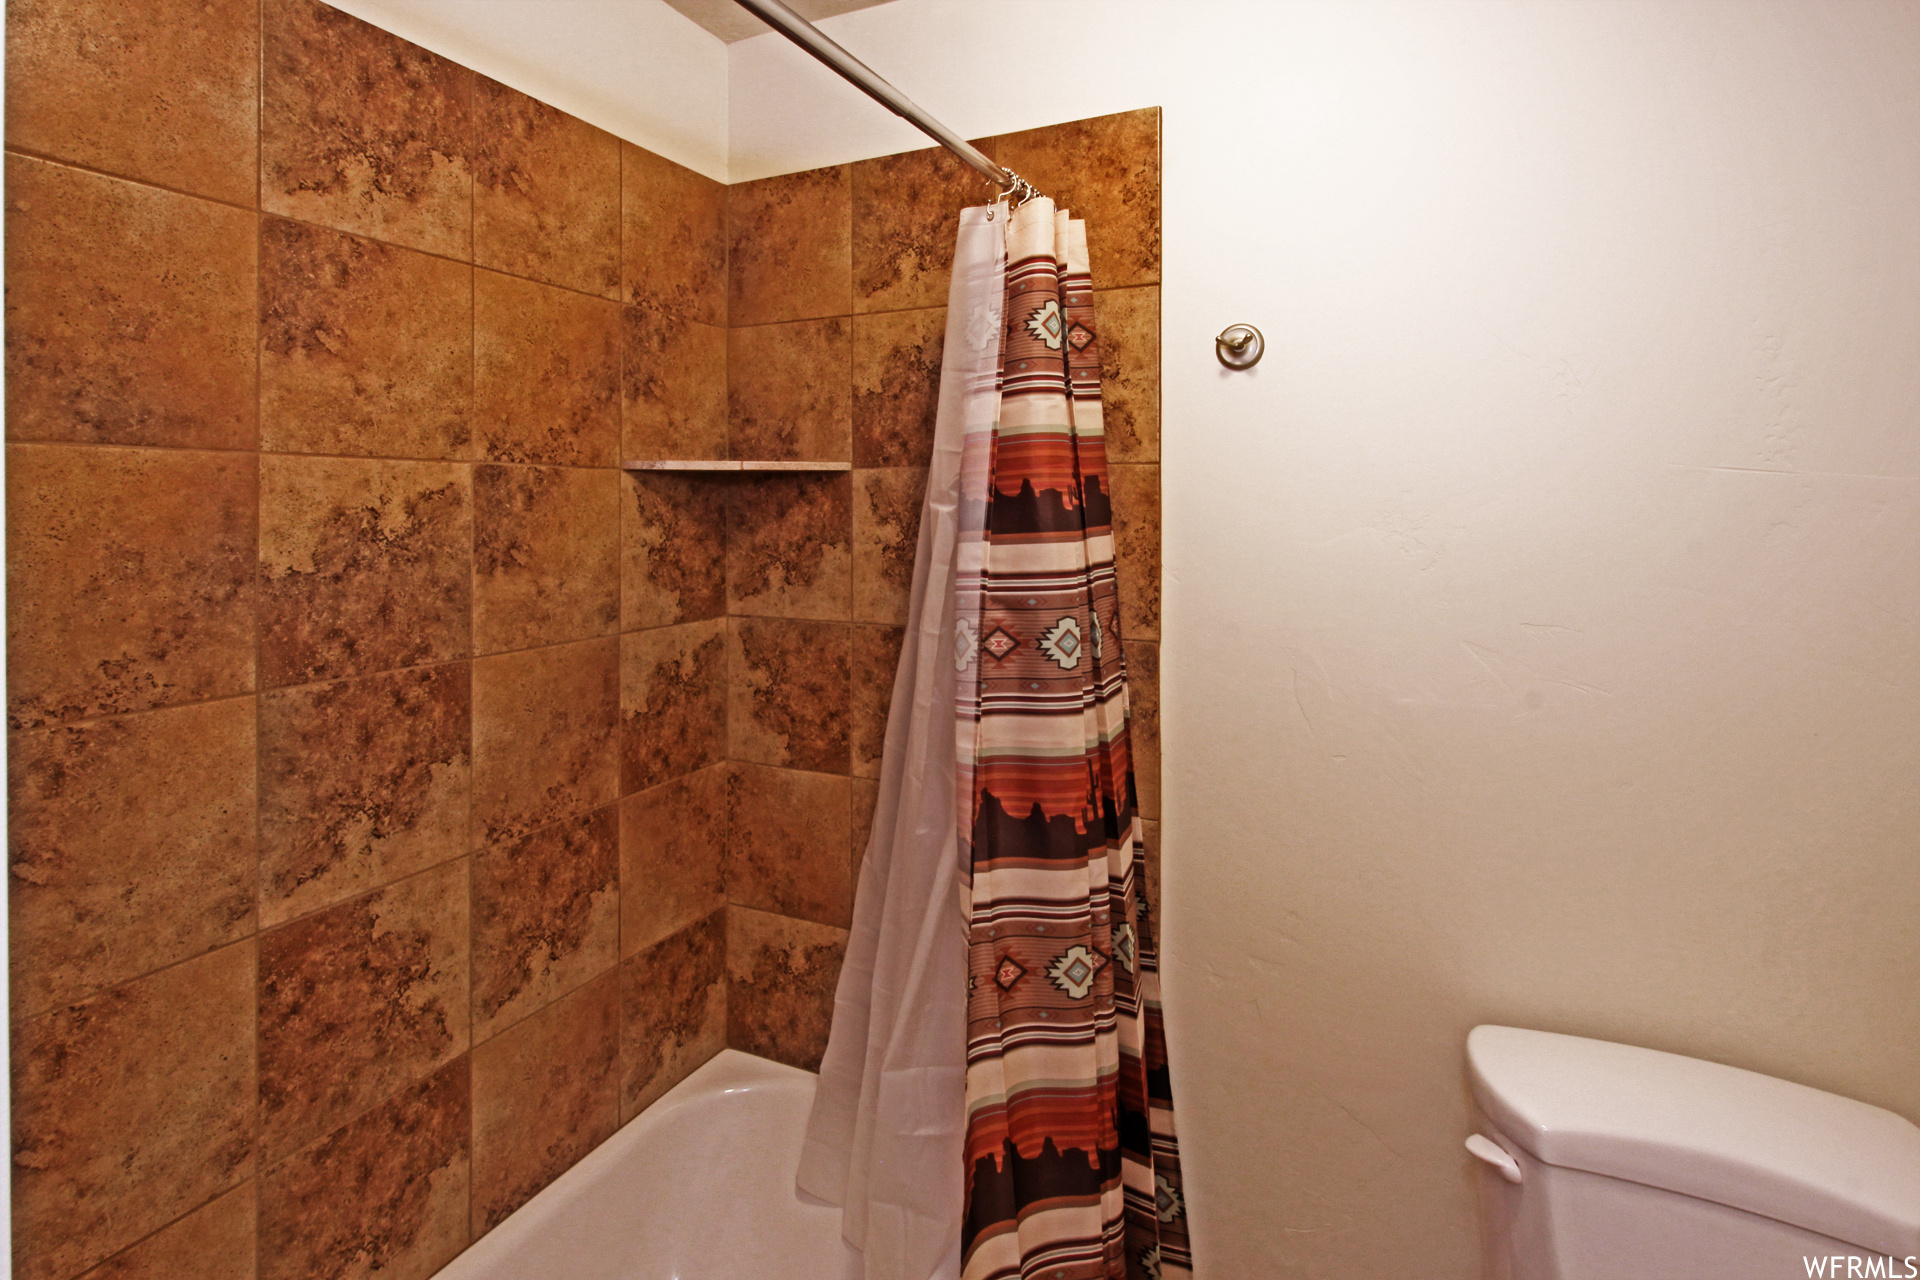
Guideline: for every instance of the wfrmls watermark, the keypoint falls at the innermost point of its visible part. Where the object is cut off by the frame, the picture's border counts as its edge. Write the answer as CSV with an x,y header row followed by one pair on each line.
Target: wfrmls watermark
x,y
1855,1267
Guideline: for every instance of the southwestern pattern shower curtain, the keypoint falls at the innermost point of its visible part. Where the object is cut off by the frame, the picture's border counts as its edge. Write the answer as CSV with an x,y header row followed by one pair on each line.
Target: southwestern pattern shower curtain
x,y
1072,1169
994,1102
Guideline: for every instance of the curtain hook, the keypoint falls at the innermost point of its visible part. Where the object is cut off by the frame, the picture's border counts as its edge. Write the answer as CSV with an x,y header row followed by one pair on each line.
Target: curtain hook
x,y
1017,189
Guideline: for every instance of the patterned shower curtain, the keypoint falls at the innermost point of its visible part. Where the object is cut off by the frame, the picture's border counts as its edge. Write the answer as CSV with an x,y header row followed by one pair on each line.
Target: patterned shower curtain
x,y
1072,1169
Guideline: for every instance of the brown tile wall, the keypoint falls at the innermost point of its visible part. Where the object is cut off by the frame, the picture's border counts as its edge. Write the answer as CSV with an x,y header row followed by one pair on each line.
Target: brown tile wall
x,y
836,305
367,722
403,796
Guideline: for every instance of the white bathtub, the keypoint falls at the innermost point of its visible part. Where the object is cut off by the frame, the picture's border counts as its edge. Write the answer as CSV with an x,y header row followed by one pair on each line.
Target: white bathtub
x,y
698,1187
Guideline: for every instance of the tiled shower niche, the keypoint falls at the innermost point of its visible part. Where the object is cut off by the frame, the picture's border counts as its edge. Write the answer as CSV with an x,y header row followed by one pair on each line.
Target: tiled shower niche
x,y
403,795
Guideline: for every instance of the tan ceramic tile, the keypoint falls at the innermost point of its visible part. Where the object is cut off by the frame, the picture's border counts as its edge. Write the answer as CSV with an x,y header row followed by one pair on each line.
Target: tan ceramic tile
x,y
866,798
672,702
546,192
358,1001
886,537
384,1195
673,848
674,237
130,1110
362,131
896,386
364,348
780,978
906,218
787,700
545,1092
789,843
1143,730
1128,324
546,373
788,391
673,548
130,313
362,782
546,917
1107,171
546,555
1150,837
364,565
673,387
165,91
673,1011
789,546
214,1242
130,847
544,736
790,247
876,656
130,579
1136,541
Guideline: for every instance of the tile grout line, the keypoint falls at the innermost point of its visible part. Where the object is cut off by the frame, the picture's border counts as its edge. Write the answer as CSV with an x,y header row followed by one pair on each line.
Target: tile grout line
x,y
621,294
15,1020
473,623
429,665
88,721
42,157
727,516
263,212
176,1221
413,459
854,505
620,887
259,746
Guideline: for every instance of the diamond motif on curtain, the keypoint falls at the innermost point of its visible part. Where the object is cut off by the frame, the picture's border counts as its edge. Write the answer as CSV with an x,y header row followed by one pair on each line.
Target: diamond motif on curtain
x,y
1045,324
1074,971
964,643
1009,972
1168,1203
1062,643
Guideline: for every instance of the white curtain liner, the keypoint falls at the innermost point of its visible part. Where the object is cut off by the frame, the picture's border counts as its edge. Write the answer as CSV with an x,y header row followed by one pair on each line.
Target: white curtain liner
x,y
885,1138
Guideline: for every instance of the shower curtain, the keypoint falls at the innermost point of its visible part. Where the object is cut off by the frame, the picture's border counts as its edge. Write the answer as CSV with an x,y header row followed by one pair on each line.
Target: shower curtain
x,y
994,1099
885,1138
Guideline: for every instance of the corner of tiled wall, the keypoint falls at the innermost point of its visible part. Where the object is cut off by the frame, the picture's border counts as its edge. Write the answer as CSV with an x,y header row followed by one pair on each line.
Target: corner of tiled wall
x,y
385,760
836,294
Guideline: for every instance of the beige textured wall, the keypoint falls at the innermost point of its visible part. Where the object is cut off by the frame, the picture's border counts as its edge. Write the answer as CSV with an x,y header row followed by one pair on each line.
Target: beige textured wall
x,y
1542,633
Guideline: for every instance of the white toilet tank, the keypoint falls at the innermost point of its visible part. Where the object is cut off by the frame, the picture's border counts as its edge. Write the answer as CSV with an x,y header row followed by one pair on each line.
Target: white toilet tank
x,y
1606,1162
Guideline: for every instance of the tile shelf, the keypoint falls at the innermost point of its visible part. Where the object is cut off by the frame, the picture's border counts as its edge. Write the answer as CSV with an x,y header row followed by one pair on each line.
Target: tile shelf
x,y
731,467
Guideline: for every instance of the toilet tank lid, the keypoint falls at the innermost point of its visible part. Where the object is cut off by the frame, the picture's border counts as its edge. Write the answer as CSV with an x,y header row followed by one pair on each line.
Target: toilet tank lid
x,y
1817,1160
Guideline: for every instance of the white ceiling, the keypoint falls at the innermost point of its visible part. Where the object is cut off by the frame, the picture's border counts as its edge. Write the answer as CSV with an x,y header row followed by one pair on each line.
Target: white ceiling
x,y
730,22
636,68
655,72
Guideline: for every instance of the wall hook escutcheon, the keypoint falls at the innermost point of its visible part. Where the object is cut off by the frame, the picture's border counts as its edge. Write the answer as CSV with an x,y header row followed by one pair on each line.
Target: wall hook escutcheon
x,y
1240,346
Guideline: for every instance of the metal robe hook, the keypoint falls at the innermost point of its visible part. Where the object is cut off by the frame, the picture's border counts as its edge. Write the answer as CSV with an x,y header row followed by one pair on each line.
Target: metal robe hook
x,y
1240,346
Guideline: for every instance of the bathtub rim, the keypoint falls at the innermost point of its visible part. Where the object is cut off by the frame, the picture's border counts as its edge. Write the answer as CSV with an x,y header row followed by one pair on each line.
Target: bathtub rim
x,y
728,1071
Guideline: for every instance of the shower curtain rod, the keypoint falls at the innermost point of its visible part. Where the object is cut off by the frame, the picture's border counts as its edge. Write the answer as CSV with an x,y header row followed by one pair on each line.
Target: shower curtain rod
x,y
862,77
